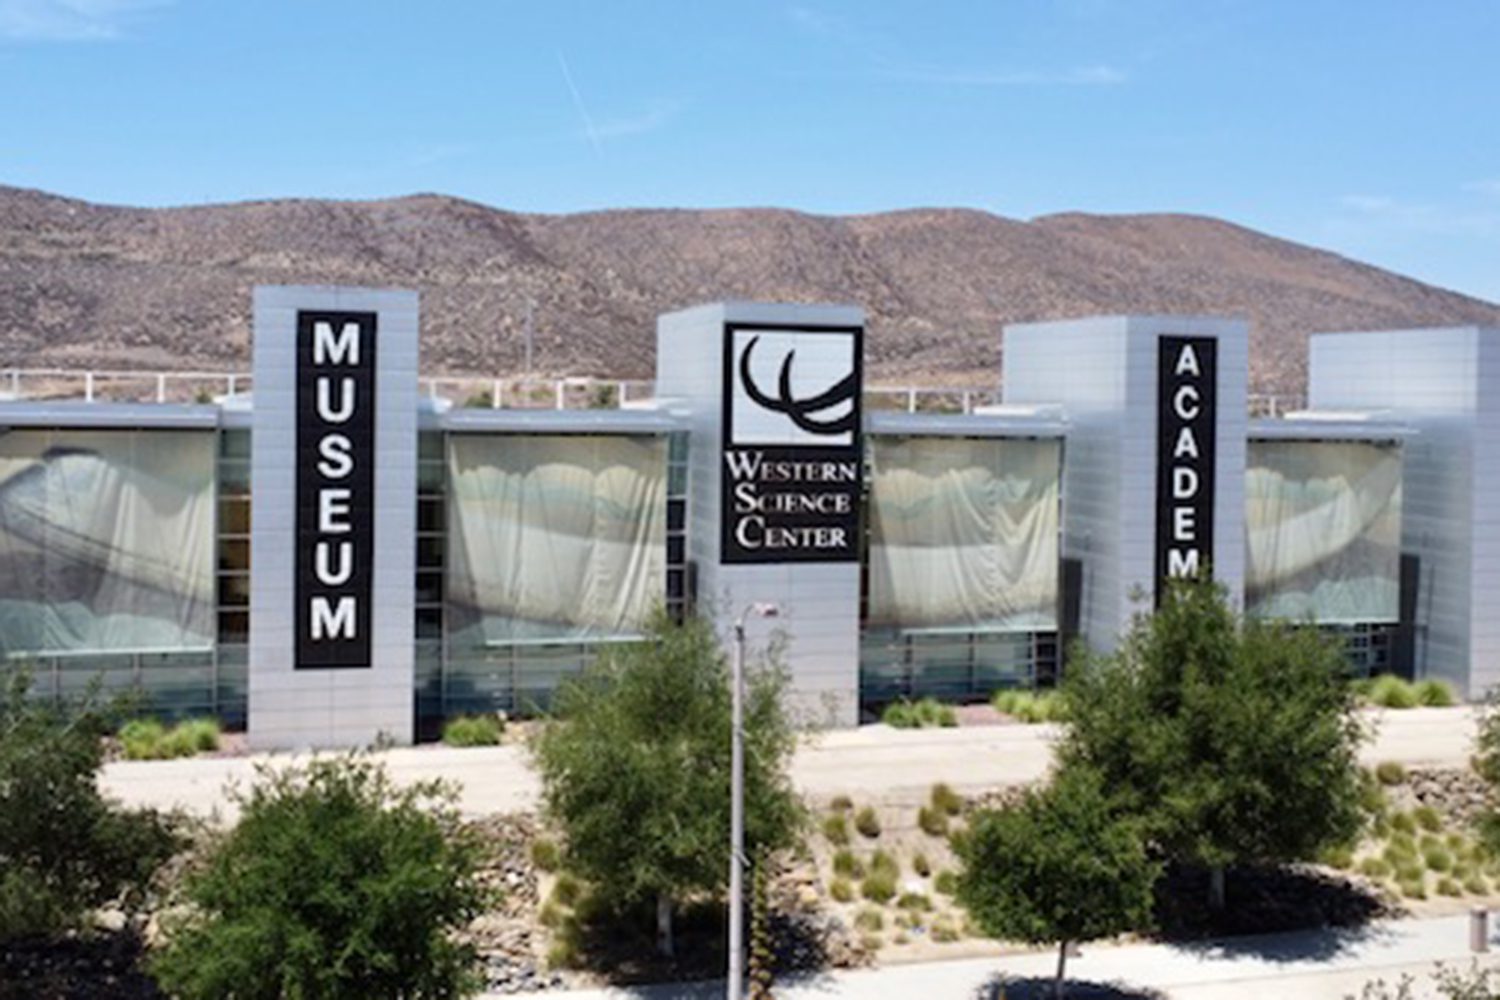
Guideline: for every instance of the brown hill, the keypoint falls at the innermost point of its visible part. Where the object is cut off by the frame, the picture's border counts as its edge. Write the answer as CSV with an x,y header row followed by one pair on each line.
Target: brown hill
x,y
126,287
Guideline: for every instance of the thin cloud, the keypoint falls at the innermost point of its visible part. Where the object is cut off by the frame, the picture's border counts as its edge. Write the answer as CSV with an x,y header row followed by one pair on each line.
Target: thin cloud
x,y
1080,76
71,20
1383,212
651,120
589,131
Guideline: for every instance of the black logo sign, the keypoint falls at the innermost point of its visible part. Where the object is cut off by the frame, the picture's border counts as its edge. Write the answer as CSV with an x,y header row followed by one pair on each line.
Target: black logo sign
x,y
1186,431
793,465
335,519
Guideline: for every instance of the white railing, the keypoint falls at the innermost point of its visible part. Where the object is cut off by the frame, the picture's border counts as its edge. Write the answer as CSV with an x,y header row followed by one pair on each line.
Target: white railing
x,y
497,392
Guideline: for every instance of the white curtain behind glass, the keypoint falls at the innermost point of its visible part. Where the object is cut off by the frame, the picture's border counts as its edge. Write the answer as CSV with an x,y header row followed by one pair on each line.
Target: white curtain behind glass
x,y
1323,530
963,533
554,536
106,541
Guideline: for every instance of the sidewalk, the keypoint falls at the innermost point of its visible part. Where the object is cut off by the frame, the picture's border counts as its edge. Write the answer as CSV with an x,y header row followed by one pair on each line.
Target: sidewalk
x,y
1311,965
871,762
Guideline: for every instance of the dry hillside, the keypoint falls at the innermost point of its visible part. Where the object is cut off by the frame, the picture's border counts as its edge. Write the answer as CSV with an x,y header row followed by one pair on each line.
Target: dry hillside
x,y
125,287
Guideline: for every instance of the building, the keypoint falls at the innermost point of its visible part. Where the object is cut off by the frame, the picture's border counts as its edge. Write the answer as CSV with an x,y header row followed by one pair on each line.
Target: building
x,y
333,557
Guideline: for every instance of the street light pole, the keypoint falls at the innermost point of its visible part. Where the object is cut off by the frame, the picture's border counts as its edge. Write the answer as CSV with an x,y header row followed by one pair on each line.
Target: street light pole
x,y
736,985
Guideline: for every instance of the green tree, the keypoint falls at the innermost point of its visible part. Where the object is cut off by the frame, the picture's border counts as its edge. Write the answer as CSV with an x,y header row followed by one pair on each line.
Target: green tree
x,y
635,769
1235,741
1058,867
65,849
334,884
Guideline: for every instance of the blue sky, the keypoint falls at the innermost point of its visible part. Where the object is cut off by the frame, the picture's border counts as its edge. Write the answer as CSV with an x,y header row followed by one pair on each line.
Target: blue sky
x,y
1370,127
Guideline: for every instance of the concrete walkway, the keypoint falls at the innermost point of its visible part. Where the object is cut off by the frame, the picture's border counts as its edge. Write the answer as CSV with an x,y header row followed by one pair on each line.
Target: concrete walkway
x,y
1325,965
873,761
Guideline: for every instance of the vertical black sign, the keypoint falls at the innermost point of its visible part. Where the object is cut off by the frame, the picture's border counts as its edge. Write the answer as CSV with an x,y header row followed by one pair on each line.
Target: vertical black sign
x,y
792,451
335,519
1186,432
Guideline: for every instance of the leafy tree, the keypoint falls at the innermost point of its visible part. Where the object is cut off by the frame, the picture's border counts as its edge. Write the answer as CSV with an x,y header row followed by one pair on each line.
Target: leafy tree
x,y
334,884
1058,867
635,769
1235,741
65,850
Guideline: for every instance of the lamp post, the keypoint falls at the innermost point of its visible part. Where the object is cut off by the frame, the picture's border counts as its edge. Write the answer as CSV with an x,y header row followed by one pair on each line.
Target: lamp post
x,y
761,609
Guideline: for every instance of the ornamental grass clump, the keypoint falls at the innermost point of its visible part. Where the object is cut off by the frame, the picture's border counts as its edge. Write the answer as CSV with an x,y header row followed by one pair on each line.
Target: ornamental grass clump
x,y
474,731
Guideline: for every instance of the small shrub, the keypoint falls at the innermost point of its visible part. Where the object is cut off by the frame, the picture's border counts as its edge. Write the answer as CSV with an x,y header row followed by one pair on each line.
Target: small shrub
x,y
1390,691
847,865
836,829
1030,707
919,715
1341,858
1433,693
878,888
932,822
141,739
1429,843
562,953
1475,885
1412,889
1390,772
473,731
1428,818
900,715
945,800
841,890
946,883
1403,823
1410,871
841,803
871,942
1456,842
333,883
869,919
920,865
882,863
1374,868
544,854
915,902
867,823
551,916
1437,859
566,890
944,931
1448,887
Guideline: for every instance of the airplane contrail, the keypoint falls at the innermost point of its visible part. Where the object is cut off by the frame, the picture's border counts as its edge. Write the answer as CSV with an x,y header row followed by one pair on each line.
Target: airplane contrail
x,y
583,112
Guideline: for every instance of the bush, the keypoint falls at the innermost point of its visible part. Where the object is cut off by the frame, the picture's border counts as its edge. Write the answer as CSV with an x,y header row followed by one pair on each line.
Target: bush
x,y
333,883
945,800
1374,868
148,739
64,849
544,854
878,887
882,863
1403,823
867,823
841,890
1434,694
914,901
920,865
1428,818
1475,885
869,919
927,713
1390,772
1390,691
566,890
1448,887
836,829
1412,889
1410,871
944,931
946,883
847,865
932,822
1030,707
473,731
1341,858
1437,859
841,803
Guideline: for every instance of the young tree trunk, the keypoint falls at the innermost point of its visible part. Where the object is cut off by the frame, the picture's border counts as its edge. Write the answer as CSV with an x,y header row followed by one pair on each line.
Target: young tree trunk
x,y
1216,900
664,944
1058,987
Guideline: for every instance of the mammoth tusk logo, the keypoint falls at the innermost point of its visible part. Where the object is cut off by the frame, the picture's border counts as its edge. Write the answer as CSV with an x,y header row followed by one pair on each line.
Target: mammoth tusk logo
x,y
801,411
